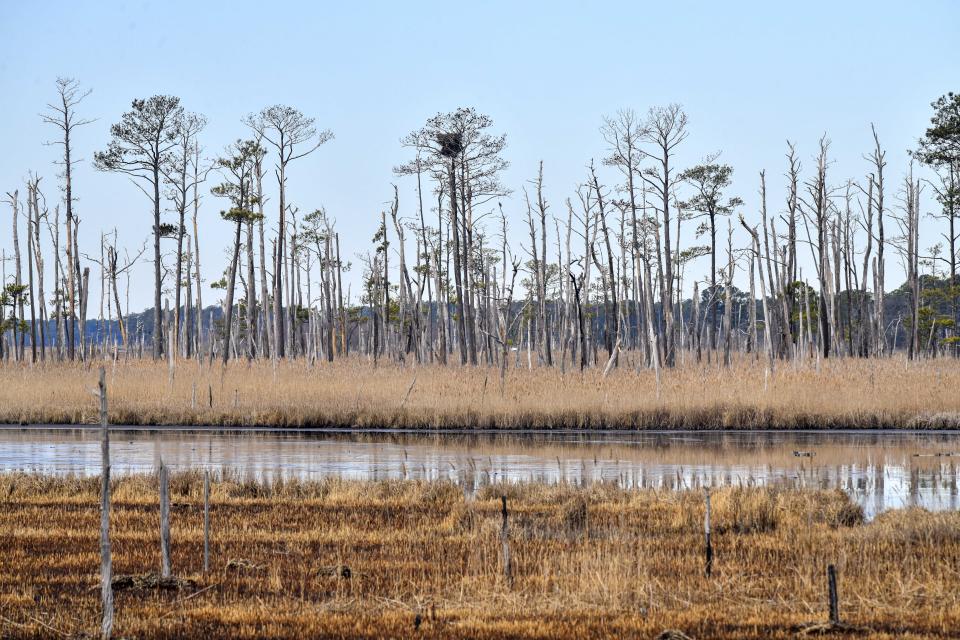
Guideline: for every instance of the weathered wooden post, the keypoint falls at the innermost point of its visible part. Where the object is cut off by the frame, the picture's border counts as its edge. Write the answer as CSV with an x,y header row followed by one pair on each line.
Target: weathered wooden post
x,y
106,569
164,522
505,542
206,521
210,395
706,533
832,586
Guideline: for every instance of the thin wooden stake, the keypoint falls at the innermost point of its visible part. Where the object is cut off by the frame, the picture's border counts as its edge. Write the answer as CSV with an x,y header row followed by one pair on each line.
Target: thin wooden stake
x,y
505,542
106,568
832,586
206,521
706,532
193,398
210,395
165,571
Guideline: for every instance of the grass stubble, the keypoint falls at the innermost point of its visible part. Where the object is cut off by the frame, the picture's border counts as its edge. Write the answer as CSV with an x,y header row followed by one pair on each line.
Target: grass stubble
x,y
836,394
588,562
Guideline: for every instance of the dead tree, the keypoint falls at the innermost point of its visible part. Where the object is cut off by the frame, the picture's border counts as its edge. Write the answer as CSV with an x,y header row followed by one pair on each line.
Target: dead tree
x,y
612,315
768,339
664,130
181,178
909,222
727,299
816,211
106,569
294,136
35,255
623,134
18,288
878,159
62,114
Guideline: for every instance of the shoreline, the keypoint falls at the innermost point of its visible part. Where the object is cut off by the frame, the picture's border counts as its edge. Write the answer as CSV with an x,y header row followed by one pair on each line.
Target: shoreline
x,y
459,431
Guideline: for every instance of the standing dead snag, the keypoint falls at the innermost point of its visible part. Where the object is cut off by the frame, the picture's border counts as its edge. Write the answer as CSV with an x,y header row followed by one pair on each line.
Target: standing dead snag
x,y
182,175
706,532
609,278
165,571
294,136
622,134
62,114
767,319
505,542
16,290
665,129
832,587
206,521
727,296
106,570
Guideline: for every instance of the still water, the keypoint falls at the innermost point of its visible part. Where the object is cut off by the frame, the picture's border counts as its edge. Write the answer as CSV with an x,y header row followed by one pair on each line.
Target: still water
x,y
880,470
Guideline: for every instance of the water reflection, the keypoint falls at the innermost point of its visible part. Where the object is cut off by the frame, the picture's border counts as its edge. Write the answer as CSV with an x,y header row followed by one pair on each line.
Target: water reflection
x,y
881,470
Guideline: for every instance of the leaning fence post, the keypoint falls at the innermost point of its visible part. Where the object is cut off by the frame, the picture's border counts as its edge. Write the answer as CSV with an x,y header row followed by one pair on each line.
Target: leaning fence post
x,y
832,586
206,521
505,542
164,522
706,533
106,569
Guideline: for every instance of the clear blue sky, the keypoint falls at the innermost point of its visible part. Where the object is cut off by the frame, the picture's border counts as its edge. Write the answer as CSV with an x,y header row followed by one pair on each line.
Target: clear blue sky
x,y
750,75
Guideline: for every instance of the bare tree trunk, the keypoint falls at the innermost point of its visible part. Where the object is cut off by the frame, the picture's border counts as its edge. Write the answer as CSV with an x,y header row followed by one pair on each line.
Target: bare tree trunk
x,y
344,343
30,253
106,570
544,315
38,258
612,316
84,297
196,253
16,299
879,163
443,284
727,301
454,228
768,333
165,571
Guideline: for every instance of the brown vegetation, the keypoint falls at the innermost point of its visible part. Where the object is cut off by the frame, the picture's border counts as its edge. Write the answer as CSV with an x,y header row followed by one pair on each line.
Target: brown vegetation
x,y
344,559
849,394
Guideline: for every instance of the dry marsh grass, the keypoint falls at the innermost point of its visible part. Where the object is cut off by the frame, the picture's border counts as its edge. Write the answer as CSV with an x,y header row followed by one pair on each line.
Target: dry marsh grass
x,y
848,393
588,562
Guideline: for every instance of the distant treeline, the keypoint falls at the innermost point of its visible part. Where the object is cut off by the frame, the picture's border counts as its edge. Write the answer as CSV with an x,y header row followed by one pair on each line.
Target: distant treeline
x,y
599,274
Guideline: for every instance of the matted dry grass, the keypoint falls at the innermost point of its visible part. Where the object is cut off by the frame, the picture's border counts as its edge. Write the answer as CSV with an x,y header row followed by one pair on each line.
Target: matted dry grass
x,y
850,393
588,562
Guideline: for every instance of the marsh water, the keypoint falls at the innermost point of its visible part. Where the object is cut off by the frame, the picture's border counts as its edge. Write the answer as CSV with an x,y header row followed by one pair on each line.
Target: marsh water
x,y
879,469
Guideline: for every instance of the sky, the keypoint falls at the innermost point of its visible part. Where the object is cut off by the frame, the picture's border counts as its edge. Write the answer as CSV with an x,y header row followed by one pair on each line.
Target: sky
x,y
750,76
